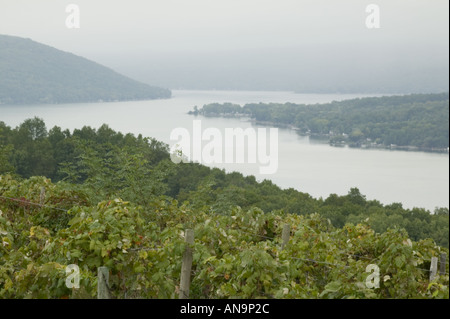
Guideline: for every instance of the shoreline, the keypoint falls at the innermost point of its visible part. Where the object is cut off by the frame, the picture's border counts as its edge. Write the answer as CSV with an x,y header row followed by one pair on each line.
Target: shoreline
x,y
360,145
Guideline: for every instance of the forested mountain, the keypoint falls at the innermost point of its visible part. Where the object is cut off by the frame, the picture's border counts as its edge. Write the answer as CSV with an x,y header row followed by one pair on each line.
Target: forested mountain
x,y
419,121
31,73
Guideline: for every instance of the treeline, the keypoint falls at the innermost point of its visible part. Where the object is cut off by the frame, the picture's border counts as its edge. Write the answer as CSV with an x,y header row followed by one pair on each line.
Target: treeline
x,y
105,164
416,120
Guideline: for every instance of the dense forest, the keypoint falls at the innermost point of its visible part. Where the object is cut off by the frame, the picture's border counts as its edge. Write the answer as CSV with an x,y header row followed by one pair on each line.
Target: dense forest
x,y
416,121
109,164
35,73
96,197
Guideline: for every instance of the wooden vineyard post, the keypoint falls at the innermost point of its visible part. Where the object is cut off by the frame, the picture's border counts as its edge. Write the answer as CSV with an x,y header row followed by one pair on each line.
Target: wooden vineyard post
x,y
285,235
442,264
433,268
42,196
103,283
186,267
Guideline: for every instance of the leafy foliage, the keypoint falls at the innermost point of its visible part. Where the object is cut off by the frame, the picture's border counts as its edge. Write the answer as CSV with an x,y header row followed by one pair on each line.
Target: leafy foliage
x,y
236,255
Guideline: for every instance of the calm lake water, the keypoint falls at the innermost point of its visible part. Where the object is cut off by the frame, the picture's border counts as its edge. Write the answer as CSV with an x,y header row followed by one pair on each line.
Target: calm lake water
x,y
414,179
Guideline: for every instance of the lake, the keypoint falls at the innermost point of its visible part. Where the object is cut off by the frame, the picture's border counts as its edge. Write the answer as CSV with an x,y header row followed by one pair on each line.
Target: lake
x,y
415,179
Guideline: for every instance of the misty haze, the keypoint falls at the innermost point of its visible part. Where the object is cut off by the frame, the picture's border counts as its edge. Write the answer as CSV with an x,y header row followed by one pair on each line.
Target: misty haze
x,y
303,46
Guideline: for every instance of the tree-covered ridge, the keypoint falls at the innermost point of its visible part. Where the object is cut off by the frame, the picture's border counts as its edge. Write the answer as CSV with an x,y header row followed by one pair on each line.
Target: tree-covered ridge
x,y
31,73
105,165
417,120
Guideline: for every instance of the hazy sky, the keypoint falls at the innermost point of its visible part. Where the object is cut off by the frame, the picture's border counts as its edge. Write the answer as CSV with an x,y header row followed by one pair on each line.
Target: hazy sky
x,y
113,30
177,25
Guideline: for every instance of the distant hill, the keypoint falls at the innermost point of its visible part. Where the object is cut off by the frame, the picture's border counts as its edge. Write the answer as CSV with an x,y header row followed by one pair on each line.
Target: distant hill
x,y
410,122
31,73
326,68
